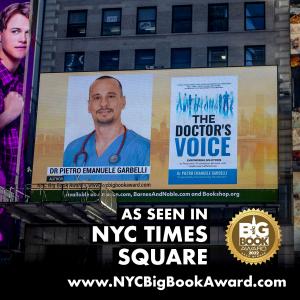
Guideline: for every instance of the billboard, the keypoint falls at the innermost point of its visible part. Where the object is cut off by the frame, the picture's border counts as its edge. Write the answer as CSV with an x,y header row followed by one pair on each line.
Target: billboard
x,y
16,70
16,65
295,35
295,65
160,135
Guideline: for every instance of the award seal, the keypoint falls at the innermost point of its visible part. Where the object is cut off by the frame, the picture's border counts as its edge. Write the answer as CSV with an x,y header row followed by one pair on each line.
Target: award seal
x,y
253,236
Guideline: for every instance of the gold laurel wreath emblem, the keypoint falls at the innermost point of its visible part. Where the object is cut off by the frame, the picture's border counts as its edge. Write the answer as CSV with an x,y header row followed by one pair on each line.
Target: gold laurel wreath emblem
x,y
253,250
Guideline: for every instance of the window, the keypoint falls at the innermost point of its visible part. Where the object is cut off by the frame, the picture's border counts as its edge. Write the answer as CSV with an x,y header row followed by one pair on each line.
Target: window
x,y
182,18
74,61
180,58
218,17
255,55
146,20
109,60
217,57
111,21
255,16
76,23
144,59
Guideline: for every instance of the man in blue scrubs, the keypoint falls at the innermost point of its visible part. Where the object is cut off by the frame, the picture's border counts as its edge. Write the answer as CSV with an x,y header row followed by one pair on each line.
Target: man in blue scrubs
x,y
111,144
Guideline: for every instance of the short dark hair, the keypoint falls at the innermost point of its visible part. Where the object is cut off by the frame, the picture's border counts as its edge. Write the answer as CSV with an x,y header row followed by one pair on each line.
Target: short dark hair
x,y
11,10
109,77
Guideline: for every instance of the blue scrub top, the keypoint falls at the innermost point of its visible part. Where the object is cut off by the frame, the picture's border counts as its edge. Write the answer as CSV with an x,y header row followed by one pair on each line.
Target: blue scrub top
x,y
135,152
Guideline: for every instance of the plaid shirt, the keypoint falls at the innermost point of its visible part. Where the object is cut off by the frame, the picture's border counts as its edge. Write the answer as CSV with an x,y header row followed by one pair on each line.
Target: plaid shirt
x,y
9,135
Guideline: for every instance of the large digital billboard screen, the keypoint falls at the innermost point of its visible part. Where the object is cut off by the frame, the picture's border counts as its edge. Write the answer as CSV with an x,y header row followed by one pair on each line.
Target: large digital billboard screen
x,y
17,46
16,67
161,135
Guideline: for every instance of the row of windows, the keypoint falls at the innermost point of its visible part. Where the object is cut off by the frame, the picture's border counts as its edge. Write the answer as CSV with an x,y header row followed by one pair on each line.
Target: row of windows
x,y
180,58
218,16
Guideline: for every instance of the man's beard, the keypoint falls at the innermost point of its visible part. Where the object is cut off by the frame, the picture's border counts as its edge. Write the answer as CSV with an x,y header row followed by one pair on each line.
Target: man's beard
x,y
104,121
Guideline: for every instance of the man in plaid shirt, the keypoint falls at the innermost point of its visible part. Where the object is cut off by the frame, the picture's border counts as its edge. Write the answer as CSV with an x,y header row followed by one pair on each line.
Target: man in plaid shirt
x,y
14,37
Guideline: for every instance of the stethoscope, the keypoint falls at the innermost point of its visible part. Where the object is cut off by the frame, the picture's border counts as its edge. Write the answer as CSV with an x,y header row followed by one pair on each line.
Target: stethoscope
x,y
113,159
